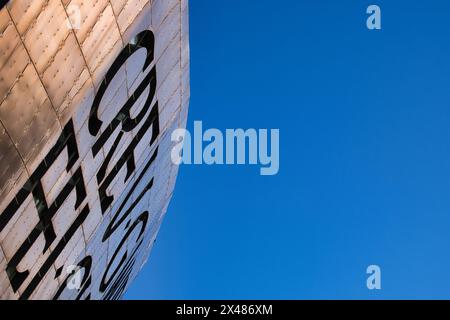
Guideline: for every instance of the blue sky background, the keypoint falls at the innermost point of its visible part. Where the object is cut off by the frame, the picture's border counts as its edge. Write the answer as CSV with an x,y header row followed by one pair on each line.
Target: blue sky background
x,y
364,118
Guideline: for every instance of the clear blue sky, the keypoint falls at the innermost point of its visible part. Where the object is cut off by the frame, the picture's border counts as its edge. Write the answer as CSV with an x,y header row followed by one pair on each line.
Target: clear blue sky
x,y
364,119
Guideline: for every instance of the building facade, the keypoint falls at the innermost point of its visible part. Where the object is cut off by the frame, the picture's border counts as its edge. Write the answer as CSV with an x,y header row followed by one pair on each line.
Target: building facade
x,y
90,92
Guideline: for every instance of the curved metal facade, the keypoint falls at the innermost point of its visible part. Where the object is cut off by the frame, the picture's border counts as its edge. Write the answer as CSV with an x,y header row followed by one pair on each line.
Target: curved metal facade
x,y
90,92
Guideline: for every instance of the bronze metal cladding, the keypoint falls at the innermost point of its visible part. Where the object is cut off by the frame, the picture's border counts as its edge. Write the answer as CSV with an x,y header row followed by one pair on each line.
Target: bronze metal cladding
x,y
90,92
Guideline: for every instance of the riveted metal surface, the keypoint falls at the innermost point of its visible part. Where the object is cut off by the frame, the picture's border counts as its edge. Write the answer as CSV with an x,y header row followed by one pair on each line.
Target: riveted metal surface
x,y
27,114
90,92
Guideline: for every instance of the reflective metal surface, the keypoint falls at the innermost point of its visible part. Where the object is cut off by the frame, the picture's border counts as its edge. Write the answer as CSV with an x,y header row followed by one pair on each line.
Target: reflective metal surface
x,y
90,92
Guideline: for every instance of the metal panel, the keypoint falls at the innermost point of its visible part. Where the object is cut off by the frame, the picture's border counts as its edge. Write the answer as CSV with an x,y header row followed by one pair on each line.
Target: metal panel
x,y
89,94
